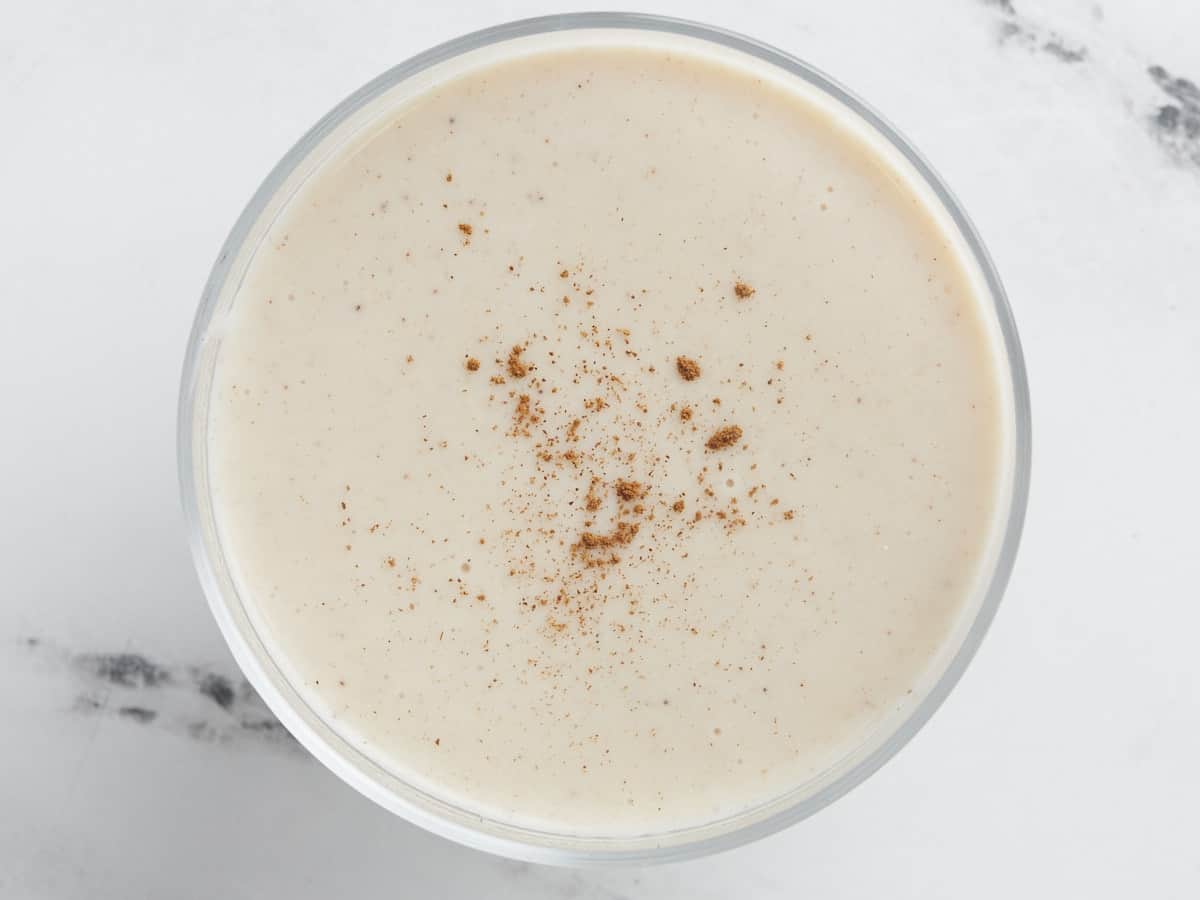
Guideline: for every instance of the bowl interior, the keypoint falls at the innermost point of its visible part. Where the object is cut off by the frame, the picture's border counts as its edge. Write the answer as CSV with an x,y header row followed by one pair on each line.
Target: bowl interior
x,y
390,91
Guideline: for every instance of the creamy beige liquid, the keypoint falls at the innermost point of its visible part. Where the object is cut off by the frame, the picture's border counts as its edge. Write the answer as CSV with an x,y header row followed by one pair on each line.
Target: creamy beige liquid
x,y
532,587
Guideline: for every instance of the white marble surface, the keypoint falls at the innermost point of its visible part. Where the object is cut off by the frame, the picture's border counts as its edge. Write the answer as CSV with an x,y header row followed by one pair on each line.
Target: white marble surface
x,y
1064,764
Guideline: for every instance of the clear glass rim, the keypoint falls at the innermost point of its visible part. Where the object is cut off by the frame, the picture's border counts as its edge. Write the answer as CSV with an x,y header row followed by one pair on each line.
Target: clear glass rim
x,y
460,825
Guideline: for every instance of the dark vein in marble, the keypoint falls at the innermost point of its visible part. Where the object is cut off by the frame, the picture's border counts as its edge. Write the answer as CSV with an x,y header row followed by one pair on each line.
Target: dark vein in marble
x,y
1005,6
195,701
138,714
1055,47
1177,125
217,688
123,669
1014,28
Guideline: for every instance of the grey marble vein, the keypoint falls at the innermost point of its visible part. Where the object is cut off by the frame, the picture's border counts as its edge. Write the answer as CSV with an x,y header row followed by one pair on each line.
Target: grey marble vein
x,y
1174,124
1177,124
196,701
1018,29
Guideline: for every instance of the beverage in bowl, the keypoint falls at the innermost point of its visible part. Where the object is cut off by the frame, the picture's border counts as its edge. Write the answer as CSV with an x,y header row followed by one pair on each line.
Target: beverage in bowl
x,y
604,439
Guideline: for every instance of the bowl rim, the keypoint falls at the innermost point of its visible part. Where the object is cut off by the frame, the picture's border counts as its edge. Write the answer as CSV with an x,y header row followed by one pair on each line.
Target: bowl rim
x,y
434,814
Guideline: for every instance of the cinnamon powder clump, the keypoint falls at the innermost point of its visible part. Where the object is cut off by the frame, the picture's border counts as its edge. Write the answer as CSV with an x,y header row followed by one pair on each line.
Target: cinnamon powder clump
x,y
630,490
524,416
623,534
724,437
743,290
592,502
688,368
517,367
472,364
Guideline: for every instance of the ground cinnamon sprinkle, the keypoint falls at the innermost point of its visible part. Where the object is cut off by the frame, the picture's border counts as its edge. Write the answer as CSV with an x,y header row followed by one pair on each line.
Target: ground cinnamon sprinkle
x,y
524,416
592,501
724,437
743,290
630,490
618,537
604,522
465,228
688,368
517,367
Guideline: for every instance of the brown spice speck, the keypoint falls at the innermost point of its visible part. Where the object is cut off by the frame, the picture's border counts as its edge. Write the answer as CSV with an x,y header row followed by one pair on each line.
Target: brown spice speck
x,y
592,501
630,490
724,437
524,416
688,368
517,367
619,537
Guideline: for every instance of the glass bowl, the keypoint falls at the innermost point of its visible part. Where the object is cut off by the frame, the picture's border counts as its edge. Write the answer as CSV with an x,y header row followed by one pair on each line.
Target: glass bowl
x,y
249,649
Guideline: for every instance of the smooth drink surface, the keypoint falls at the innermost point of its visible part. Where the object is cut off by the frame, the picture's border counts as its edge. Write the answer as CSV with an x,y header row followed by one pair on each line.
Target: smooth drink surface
x,y
606,441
